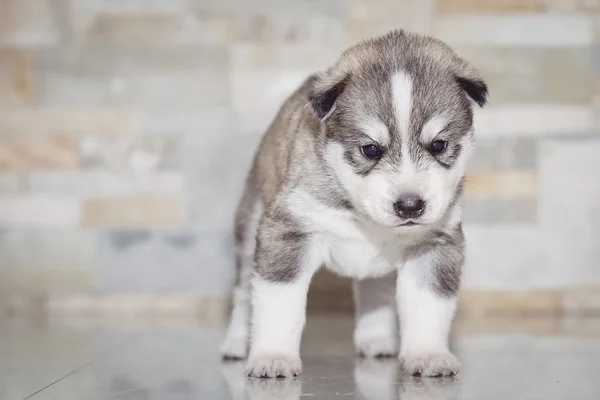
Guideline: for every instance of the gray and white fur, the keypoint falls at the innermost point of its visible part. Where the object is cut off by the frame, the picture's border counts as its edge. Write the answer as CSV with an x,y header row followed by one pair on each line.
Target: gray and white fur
x,y
361,171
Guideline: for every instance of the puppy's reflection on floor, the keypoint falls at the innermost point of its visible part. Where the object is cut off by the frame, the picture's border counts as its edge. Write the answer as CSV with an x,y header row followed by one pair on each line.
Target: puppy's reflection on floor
x,y
376,378
273,389
416,388
233,374
244,388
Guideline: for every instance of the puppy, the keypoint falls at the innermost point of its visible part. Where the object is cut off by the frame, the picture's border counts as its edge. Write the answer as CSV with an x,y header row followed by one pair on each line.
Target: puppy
x,y
362,172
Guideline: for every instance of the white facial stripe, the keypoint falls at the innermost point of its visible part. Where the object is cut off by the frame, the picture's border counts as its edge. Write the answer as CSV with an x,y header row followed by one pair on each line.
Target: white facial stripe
x,y
376,130
433,127
402,85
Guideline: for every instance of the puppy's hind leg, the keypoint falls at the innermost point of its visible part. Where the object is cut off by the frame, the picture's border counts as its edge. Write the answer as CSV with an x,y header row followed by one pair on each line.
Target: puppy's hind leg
x,y
235,345
376,332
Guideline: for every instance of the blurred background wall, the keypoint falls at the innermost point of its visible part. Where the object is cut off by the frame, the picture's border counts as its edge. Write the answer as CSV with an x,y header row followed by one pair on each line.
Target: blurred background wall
x,y
127,128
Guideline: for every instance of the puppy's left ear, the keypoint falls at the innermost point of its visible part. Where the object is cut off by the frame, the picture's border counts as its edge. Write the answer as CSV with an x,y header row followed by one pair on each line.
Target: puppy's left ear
x,y
475,88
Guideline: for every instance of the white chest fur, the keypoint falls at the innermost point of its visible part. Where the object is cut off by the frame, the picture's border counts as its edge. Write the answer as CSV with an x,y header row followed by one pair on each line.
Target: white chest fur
x,y
345,245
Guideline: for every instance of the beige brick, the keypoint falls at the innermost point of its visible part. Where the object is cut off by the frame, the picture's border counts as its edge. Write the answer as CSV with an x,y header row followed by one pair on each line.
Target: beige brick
x,y
465,6
542,302
51,152
571,5
367,18
188,28
582,300
98,122
139,211
502,184
17,84
28,23
46,211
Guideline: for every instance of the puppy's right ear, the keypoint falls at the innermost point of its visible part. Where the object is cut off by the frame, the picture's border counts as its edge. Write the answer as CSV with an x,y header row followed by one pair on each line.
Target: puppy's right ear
x,y
323,96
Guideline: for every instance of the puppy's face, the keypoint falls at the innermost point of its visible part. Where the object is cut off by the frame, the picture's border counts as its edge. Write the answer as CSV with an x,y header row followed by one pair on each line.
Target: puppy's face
x,y
398,136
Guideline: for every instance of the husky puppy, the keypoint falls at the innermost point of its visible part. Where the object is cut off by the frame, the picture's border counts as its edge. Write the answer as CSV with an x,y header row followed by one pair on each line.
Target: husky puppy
x,y
362,172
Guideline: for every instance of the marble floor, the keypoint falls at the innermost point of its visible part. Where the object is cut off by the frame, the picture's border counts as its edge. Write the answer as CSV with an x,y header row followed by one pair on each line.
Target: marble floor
x,y
144,360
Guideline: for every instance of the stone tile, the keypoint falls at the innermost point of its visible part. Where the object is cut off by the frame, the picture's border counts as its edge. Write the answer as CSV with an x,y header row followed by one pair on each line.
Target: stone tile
x,y
51,211
533,120
472,6
63,260
48,122
367,18
133,211
513,153
503,257
295,21
216,182
274,71
138,154
10,183
533,75
94,184
133,75
29,23
17,86
518,30
176,261
569,211
515,183
500,210
52,152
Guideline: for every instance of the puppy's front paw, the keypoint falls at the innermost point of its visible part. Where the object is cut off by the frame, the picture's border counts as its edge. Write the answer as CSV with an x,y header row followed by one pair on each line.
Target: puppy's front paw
x,y
432,364
273,366
376,346
234,348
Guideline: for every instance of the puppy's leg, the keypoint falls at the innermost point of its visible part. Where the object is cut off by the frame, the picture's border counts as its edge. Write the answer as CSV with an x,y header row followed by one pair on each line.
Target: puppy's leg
x,y
376,333
235,345
285,264
427,294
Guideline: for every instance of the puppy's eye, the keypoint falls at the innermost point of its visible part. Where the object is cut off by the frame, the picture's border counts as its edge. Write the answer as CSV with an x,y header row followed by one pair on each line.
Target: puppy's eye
x,y
437,146
371,151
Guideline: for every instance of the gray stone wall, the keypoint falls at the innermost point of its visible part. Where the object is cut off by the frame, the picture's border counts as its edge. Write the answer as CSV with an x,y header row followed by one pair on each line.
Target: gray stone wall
x,y
127,127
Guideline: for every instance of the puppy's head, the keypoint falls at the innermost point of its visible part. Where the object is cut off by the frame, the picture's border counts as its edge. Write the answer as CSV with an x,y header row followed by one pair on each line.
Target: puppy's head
x,y
397,119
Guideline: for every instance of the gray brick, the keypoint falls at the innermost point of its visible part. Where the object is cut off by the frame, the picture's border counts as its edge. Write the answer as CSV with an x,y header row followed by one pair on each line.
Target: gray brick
x,y
216,171
140,261
46,261
492,154
536,75
160,76
569,211
129,6
292,21
500,211
94,184
273,72
10,183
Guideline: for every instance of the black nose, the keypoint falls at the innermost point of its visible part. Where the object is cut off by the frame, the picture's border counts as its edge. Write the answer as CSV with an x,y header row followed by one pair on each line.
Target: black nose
x,y
410,207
